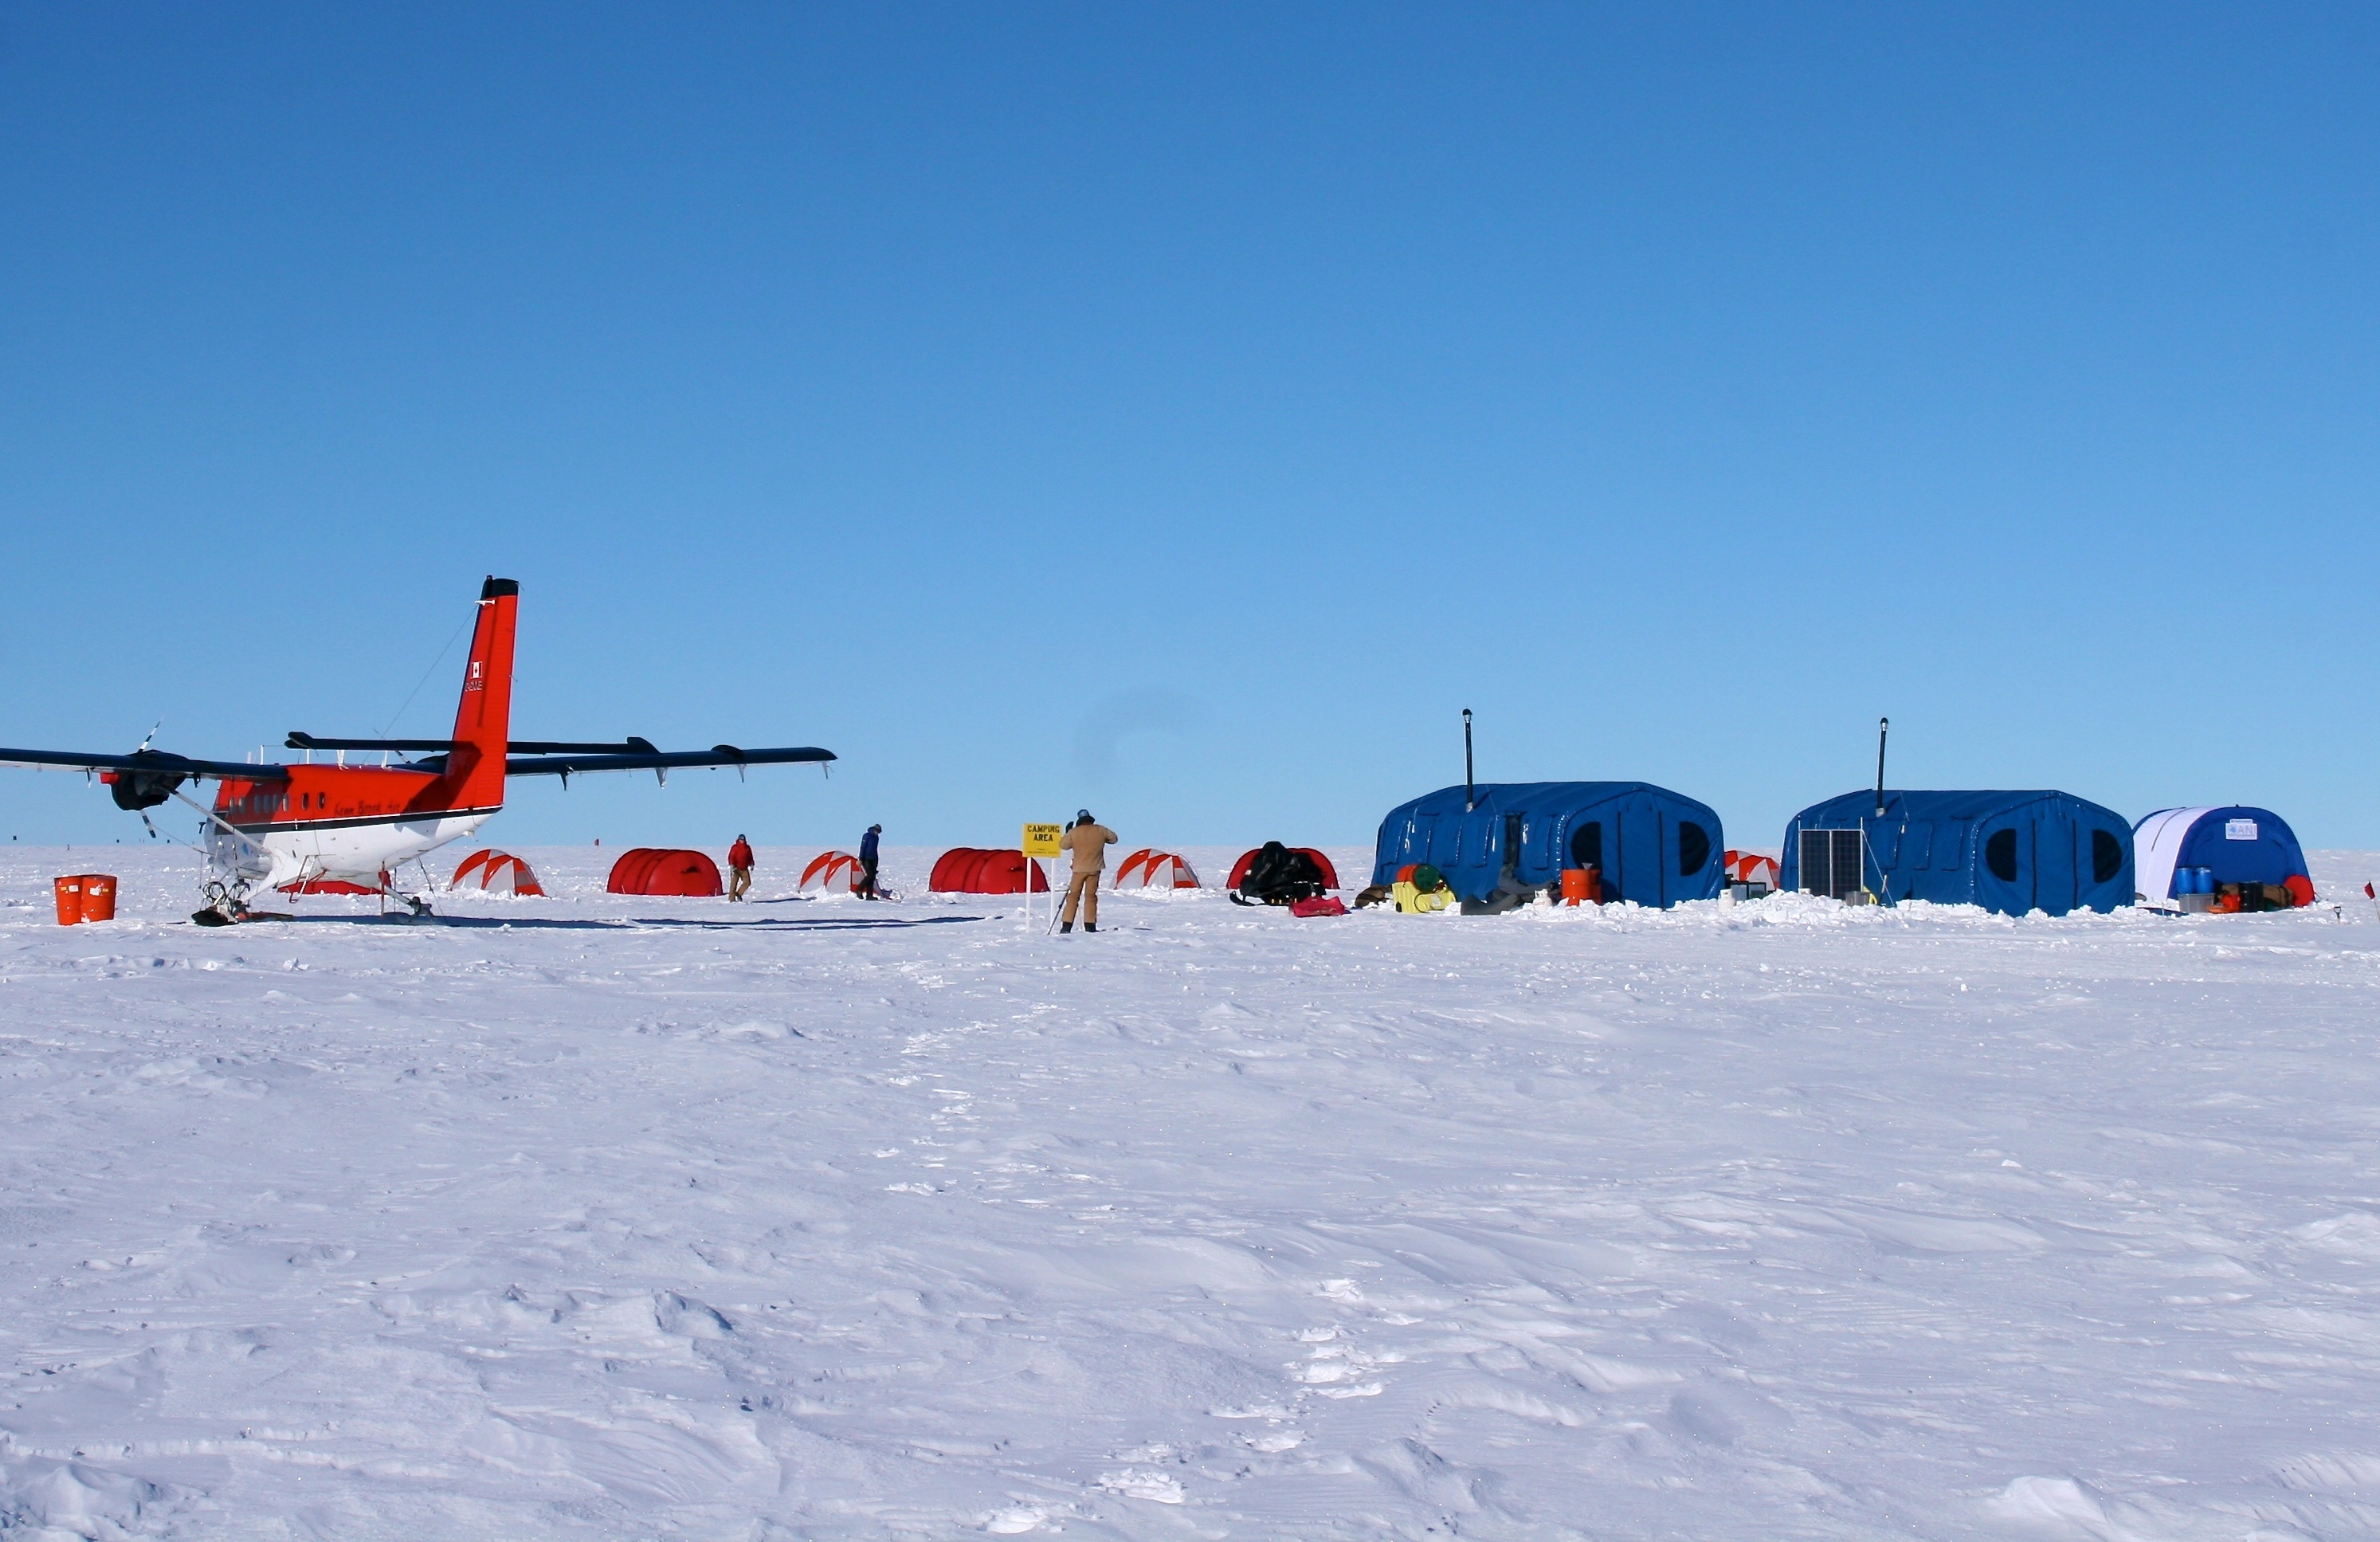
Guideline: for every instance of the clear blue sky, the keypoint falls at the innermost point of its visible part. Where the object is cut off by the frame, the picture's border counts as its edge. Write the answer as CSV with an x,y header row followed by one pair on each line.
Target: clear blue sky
x,y
1186,411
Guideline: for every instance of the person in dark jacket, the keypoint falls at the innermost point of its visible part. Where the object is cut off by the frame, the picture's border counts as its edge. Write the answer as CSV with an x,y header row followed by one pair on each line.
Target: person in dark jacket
x,y
867,862
739,867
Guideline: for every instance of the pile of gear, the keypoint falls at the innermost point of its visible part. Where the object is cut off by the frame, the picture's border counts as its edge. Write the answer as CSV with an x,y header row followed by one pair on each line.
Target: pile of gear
x,y
1421,889
1277,874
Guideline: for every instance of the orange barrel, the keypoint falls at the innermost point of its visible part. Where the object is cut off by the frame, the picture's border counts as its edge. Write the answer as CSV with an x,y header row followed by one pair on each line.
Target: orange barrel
x,y
1578,885
98,896
69,899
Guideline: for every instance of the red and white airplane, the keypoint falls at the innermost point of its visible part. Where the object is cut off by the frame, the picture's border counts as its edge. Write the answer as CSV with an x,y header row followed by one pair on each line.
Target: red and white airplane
x,y
290,826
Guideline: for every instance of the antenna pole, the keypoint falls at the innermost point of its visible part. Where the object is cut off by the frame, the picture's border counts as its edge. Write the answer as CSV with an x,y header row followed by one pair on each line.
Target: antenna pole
x,y
1470,797
1883,727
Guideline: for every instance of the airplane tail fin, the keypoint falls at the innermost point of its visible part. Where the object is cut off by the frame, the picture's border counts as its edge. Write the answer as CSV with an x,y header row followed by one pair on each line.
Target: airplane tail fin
x,y
483,718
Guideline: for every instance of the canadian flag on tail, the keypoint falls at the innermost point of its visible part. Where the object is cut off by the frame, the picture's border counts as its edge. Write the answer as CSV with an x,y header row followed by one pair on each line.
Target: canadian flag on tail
x,y
475,768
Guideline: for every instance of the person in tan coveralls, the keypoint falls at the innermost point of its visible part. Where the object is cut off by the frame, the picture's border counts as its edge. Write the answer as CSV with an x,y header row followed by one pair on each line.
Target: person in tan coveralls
x,y
1088,840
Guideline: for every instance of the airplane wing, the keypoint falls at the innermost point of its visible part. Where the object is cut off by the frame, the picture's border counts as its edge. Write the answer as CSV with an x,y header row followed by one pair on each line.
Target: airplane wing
x,y
151,760
629,746
659,761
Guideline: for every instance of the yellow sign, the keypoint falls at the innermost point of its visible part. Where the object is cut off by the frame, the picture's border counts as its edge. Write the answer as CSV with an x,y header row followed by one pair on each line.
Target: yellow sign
x,y
1041,839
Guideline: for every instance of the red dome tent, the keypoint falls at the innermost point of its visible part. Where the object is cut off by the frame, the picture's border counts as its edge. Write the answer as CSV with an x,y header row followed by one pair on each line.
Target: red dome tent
x,y
973,870
498,872
1157,869
827,866
1249,859
649,871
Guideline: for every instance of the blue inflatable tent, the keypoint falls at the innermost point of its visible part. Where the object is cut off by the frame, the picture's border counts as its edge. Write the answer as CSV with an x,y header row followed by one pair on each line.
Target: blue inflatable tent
x,y
2009,852
2236,845
1653,846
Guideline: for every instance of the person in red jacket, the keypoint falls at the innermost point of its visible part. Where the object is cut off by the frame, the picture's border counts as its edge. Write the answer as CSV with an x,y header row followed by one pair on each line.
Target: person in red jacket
x,y
739,867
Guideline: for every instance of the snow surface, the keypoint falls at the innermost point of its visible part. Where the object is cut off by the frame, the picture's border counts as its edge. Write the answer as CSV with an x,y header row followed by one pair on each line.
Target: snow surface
x,y
613,1217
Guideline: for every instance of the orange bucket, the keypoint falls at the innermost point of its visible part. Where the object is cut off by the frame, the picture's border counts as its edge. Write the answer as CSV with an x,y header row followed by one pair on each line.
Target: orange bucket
x,y
98,896
69,899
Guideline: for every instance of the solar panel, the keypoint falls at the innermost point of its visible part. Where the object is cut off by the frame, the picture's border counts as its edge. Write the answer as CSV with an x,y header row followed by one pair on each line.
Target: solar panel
x,y
1831,862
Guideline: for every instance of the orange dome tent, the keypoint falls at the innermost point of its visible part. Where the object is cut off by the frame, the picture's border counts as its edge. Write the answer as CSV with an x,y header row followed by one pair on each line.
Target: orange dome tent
x,y
649,871
973,870
498,872
1156,870
827,866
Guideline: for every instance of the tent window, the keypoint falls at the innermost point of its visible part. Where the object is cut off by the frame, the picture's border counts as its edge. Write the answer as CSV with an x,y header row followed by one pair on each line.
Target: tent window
x,y
1693,848
1999,855
2106,856
1587,845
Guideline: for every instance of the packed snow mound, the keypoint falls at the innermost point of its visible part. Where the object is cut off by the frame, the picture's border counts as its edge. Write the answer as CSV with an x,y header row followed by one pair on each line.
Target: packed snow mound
x,y
604,1215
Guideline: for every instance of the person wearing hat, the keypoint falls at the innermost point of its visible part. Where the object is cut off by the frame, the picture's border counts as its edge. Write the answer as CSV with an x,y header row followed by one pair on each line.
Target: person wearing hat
x,y
739,867
867,862
1088,840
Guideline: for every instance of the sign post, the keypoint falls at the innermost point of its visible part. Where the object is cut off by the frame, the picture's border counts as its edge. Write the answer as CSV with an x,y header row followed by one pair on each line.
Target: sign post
x,y
1041,840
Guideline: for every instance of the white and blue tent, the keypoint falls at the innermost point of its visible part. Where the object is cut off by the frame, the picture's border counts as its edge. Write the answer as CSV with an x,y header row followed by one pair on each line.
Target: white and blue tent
x,y
2235,844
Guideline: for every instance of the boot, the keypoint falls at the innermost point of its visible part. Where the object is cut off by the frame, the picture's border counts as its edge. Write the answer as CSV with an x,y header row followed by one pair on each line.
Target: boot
x,y
1090,926
1064,927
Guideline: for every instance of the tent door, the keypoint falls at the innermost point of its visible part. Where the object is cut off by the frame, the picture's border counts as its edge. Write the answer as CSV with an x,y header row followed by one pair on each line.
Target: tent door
x,y
2053,864
1581,841
1636,856
1537,847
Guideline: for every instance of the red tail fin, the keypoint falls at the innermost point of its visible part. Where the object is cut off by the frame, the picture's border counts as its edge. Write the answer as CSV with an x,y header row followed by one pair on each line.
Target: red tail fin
x,y
475,770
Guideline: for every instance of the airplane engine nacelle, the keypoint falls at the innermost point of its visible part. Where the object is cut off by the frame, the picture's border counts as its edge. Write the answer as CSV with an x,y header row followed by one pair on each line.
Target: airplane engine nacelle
x,y
145,788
